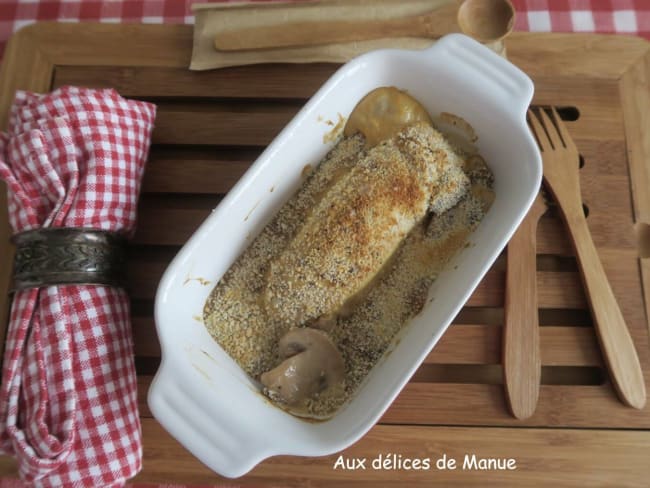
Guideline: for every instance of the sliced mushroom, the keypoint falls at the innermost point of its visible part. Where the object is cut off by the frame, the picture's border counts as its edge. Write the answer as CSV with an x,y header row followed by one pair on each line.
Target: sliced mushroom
x,y
311,363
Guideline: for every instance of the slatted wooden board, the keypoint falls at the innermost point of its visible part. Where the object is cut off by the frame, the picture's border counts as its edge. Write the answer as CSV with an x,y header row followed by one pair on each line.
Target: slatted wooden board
x,y
212,125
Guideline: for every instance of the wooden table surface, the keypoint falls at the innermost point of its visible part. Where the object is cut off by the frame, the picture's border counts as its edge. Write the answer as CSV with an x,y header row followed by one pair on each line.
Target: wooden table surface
x,y
211,126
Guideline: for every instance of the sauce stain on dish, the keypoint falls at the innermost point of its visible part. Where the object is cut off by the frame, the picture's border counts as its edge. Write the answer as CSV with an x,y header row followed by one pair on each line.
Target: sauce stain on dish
x,y
333,134
250,212
201,281
203,373
209,357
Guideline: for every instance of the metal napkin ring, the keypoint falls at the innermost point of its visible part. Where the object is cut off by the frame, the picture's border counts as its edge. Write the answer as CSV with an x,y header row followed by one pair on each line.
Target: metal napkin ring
x,y
59,256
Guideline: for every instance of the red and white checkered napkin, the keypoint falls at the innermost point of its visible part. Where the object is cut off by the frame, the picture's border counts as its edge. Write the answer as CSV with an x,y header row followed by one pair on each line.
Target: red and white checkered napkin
x,y
68,399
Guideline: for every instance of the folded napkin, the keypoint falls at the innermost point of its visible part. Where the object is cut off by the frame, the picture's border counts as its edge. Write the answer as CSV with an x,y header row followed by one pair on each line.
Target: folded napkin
x,y
68,399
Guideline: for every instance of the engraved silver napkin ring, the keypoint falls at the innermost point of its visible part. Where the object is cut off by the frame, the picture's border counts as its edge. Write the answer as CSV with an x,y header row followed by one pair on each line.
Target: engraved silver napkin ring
x,y
65,255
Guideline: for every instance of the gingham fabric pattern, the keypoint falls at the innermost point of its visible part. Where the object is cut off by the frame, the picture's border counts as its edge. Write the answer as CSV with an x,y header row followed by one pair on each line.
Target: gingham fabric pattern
x,y
68,399
630,17
627,17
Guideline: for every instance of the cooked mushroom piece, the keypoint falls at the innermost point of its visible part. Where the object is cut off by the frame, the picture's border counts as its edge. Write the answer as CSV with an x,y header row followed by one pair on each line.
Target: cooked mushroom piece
x,y
311,363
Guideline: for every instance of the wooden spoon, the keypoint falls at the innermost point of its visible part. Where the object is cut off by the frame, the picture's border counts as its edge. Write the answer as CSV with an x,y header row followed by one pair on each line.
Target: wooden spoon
x,y
433,24
486,20
522,365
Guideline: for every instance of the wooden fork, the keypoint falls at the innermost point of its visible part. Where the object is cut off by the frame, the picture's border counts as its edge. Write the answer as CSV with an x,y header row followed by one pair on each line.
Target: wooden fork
x,y
561,165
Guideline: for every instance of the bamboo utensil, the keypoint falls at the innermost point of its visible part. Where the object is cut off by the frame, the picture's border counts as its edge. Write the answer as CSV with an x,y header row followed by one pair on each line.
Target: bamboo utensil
x,y
560,158
487,21
433,24
521,355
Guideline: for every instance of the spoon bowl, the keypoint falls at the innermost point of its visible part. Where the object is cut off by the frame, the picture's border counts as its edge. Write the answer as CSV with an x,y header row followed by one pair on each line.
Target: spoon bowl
x,y
486,20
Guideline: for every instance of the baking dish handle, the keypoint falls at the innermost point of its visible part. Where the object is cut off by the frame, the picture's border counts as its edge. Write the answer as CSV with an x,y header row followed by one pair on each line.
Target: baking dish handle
x,y
484,70
231,448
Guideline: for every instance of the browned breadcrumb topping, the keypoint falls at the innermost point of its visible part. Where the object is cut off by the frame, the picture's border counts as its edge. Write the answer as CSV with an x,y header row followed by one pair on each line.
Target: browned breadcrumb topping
x,y
234,313
414,191
367,213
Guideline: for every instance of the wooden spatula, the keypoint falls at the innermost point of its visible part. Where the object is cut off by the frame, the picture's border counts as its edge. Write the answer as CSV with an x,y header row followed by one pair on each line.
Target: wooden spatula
x,y
522,365
433,24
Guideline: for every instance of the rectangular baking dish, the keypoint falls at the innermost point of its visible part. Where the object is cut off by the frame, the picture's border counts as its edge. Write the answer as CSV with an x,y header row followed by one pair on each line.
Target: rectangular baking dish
x,y
199,394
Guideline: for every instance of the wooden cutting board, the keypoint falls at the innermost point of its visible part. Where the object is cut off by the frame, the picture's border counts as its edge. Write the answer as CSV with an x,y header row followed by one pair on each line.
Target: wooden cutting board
x,y
211,126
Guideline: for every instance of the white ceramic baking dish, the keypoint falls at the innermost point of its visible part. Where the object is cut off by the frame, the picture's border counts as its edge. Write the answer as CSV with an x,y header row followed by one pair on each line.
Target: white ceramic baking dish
x,y
199,394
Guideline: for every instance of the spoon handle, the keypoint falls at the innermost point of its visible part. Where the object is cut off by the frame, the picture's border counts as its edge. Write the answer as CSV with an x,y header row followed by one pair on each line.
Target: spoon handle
x,y
432,24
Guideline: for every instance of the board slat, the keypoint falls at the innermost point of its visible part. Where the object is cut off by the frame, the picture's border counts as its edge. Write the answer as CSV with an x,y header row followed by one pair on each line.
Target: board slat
x,y
556,289
423,403
217,124
171,175
162,82
481,344
607,458
475,404
461,344
610,458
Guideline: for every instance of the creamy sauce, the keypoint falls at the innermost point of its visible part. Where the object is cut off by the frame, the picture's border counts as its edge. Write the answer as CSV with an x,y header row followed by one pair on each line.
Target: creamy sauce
x,y
457,131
